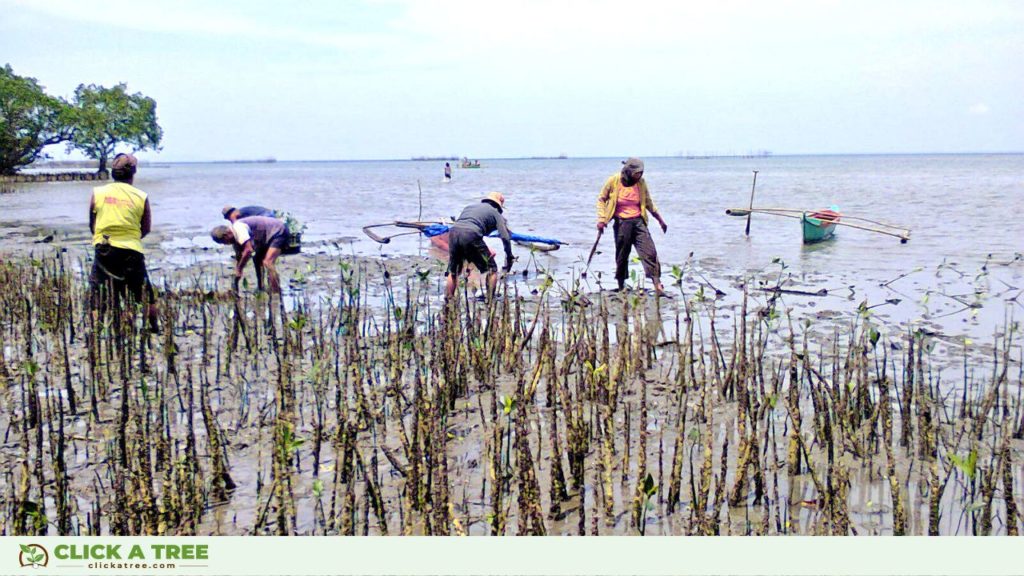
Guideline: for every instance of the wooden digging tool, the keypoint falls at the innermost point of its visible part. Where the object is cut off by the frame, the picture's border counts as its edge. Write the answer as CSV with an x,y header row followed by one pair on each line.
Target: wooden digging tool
x,y
594,249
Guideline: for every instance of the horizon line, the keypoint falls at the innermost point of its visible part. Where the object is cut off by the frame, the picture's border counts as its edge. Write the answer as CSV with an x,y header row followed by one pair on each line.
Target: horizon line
x,y
272,160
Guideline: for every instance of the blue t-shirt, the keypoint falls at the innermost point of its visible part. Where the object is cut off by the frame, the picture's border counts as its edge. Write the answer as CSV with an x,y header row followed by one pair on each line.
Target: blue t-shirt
x,y
246,211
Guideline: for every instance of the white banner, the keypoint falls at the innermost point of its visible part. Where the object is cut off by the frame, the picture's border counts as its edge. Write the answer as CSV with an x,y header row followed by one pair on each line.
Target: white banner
x,y
613,555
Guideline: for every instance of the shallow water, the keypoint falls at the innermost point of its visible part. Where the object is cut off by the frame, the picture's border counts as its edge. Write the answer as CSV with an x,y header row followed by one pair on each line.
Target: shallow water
x,y
960,251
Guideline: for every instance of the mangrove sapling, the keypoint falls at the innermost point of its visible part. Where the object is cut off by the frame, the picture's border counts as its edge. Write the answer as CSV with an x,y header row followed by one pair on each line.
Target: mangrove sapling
x,y
1006,477
531,518
221,483
626,430
643,491
714,516
587,377
647,488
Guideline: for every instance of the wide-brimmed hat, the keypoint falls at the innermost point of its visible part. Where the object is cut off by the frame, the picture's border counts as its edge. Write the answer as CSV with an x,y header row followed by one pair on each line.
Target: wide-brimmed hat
x,y
496,197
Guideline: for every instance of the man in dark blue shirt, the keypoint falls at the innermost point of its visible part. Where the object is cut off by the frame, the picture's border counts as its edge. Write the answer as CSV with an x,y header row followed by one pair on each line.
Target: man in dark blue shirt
x,y
231,213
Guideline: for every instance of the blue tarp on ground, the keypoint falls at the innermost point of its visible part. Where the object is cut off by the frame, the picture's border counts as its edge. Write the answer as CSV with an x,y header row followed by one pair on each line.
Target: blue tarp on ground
x,y
438,229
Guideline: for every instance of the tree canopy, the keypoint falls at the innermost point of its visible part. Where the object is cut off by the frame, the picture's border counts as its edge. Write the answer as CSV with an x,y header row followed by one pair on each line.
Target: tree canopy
x,y
105,117
30,120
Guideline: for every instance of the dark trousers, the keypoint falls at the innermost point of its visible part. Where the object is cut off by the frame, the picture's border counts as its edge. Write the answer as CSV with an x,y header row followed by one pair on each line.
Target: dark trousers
x,y
468,246
119,274
632,233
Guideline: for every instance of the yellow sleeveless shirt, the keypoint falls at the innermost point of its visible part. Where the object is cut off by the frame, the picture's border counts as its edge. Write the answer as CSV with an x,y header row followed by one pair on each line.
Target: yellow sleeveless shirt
x,y
119,208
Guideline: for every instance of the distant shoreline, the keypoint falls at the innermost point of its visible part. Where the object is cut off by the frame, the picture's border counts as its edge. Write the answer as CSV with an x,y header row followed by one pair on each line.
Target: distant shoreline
x,y
68,164
671,156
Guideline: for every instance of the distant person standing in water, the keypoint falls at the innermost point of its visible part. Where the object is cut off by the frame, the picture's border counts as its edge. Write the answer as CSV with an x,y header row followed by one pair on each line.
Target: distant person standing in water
x,y
119,218
259,238
466,242
447,172
626,200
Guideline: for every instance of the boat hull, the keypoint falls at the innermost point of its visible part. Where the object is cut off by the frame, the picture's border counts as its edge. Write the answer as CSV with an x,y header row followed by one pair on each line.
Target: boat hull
x,y
818,226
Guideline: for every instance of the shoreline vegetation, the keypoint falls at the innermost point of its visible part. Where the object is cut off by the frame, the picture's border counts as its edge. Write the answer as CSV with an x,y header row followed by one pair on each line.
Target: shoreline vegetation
x,y
60,176
357,404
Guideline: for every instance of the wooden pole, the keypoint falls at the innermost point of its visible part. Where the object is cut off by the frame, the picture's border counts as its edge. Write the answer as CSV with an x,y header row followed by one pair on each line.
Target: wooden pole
x,y
420,217
749,214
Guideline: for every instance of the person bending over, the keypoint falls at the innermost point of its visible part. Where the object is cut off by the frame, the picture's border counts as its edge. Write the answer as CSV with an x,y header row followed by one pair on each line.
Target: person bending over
x,y
259,238
466,242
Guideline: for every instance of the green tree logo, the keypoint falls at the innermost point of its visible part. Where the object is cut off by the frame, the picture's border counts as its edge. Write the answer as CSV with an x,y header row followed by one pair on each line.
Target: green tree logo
x,y
33,555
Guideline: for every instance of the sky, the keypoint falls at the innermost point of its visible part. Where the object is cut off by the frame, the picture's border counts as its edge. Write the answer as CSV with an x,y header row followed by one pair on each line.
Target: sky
x,y
395,79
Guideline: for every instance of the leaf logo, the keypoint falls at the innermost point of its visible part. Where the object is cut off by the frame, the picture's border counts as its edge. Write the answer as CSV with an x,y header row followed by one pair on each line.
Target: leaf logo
x,y
33,555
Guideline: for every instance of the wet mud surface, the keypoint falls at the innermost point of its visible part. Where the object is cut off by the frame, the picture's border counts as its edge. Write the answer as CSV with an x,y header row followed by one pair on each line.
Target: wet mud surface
x,y
750,403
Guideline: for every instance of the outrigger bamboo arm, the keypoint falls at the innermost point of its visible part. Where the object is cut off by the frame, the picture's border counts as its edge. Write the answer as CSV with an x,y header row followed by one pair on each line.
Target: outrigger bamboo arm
x,y
903,234
781,211
770,211
419,226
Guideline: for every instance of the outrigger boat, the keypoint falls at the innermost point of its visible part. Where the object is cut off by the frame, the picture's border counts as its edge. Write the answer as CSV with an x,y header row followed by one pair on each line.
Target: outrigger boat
x,y
819,225
437,233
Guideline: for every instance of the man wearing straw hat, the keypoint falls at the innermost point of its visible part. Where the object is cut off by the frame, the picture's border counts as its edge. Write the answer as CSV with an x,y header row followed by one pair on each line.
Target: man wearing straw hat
x,y
119,218
466,242
626,200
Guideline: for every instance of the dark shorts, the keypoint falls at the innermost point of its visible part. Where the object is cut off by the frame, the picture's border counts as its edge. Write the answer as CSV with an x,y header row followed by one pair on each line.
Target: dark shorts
x,y
123,272
468,246
279,241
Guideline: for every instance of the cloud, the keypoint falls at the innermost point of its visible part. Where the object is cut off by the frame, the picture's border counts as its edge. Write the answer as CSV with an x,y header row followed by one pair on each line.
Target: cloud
x,y
979,109
187,17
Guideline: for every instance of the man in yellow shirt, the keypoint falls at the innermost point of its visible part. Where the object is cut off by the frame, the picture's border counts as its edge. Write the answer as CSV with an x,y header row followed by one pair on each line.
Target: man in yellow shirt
x,y
119,217
626,200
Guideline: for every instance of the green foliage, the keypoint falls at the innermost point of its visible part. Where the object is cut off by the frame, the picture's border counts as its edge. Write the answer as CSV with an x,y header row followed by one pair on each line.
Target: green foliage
x,y
507,404
595,373
31,368
968,465
649,487
295,226
30,120
288,441
106,117
297,323
677,273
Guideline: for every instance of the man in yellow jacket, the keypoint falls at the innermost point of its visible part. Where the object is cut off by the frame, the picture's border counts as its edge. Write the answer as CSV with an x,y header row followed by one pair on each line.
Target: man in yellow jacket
x,y
119,218
626,200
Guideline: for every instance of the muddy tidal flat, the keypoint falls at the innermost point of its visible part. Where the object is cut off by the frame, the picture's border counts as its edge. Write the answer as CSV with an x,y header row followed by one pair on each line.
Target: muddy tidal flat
x,y
359,404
